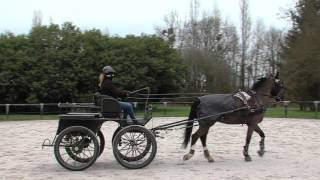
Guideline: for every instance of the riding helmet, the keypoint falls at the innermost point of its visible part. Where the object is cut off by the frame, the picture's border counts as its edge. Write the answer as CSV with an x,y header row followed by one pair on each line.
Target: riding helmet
x,y
108,70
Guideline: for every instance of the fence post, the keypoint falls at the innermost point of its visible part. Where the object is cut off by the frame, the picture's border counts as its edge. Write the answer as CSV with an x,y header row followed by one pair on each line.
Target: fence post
x,y
165,104
286,104
7,110
41,110
135,105
316,108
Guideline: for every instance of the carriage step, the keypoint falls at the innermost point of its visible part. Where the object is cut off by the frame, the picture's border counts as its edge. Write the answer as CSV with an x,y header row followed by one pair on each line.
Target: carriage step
x,y
135,122
139,121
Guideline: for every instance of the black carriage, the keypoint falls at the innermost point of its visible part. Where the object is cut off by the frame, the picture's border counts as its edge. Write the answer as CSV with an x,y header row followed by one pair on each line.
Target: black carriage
x,y
79,141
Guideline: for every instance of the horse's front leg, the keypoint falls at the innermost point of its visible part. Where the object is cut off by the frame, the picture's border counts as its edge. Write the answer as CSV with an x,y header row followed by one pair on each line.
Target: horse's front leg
x,y
262,147
205,149
248,139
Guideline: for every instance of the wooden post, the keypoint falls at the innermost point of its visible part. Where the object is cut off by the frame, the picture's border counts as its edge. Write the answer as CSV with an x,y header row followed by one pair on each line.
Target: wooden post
x,y
286,104
7,110
165,104
41,110
316,108
135,105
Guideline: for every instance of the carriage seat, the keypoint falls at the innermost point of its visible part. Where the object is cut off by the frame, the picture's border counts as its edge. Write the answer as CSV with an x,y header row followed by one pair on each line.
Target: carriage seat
x,y
109,106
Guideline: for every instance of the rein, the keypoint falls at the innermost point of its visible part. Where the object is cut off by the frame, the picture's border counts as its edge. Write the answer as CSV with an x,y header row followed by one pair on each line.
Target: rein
x,y
266,95
263,94
269,95
261,107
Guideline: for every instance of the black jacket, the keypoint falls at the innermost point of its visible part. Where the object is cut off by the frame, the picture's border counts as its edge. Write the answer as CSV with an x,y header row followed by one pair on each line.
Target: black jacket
x,y
107,88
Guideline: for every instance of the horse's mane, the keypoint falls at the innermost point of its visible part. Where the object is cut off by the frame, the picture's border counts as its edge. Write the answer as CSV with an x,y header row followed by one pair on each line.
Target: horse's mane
x,y
257,85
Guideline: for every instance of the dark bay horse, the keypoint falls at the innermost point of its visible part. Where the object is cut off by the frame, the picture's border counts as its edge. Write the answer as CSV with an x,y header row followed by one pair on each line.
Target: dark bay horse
x,y
259,98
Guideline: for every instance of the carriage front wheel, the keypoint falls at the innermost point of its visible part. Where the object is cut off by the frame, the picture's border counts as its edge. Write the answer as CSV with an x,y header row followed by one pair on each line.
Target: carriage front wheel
x,y
76,148
134,147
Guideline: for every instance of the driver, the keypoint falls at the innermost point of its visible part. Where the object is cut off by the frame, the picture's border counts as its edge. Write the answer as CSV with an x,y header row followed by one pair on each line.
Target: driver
x,y
107,88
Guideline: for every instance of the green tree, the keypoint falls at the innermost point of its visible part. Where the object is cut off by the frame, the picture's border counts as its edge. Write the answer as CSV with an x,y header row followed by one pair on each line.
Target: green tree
x,y
61,63
13,68
145,61
54,54
301,55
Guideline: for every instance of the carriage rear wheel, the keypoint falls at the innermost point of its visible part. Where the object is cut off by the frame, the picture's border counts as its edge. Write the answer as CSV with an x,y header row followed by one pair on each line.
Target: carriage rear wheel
x,y
76,148
134,147
101,141
73,153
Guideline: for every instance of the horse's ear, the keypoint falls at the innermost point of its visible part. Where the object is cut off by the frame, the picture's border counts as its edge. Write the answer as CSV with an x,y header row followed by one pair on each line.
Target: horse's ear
x,y
277,75
269,74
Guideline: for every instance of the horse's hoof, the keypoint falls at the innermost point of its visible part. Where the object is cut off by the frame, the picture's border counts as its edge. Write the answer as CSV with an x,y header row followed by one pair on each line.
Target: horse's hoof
x,y
210,160
261,152
187,156
247,158
208,156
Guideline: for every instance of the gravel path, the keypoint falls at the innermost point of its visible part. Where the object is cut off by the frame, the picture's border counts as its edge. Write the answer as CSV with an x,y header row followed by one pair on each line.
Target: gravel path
x,y
293,152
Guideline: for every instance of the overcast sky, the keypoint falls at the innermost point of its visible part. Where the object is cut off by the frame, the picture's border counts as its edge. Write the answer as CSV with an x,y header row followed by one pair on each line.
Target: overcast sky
x,y
128,16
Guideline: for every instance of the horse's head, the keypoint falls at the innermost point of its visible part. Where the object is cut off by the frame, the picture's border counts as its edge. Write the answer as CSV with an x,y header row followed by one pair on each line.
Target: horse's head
x,y
277,90
270,86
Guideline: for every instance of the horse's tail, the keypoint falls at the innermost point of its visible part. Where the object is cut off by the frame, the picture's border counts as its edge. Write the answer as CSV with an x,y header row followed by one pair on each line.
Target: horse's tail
x,y
192,115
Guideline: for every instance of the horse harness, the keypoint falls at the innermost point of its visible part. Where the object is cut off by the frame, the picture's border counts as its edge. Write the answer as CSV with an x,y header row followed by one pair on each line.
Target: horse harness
x,y
256,106
252,101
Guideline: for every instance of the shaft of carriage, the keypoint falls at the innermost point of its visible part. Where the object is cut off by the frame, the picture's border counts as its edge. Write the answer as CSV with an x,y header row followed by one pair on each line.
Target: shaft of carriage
x,y
187,121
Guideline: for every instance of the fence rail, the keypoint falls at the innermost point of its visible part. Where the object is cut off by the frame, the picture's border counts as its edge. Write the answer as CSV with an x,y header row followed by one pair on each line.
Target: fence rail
x,y
52,108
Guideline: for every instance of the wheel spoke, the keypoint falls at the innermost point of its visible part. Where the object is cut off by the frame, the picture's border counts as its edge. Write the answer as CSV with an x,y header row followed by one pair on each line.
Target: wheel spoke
x,y
142,142
139,138
128,151
139,151
127,136
142,149
84,154
131,135
125,148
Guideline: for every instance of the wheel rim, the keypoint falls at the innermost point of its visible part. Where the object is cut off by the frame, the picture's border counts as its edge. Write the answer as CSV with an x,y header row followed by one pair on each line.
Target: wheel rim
x,y
101,141
76,148
134,147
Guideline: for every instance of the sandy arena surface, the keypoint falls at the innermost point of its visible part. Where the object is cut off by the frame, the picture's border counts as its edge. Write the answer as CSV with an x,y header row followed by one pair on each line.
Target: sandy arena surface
x,y
292,145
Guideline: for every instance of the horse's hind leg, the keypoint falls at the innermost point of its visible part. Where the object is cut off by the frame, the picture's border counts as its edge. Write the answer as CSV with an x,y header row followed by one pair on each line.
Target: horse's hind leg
x,y
262,147
205,149
194,139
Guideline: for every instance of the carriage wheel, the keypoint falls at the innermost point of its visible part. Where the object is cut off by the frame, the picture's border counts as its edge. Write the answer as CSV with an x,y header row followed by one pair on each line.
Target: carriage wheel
x,y
101,141
73,154
134,147
76,148
115,133
130,158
